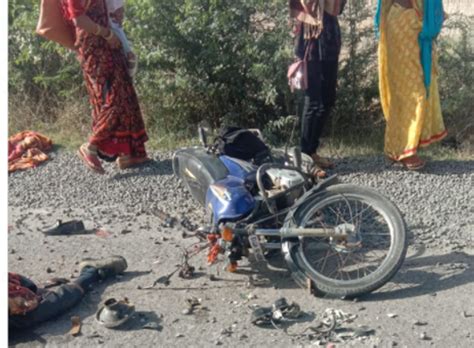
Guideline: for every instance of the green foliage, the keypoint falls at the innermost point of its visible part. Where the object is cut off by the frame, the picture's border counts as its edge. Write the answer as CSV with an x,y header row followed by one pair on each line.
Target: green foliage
x,y
357,105
215,60
457,75
222,61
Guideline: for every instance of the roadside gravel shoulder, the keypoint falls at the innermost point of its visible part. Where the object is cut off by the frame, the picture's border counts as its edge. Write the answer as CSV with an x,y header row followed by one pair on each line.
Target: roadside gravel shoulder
x,y
435,285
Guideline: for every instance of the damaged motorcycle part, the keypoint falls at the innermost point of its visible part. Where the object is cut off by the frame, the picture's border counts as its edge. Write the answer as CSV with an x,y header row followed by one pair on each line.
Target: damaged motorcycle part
x,y
256,248
186,271
261,316
362,261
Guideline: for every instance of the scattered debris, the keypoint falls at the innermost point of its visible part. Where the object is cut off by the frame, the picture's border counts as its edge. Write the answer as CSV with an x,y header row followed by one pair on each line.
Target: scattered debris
x,y
457,266
187,311
248,297
420,323
186,270
102,233
76,326
425,337
194,304
187,224
169,222
227,332
466,315
95,334
327,330
392,315
125,231
49,270
280,310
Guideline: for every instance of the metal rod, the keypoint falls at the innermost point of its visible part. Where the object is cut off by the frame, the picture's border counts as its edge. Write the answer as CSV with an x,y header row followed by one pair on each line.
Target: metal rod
x,y
286,232
271,245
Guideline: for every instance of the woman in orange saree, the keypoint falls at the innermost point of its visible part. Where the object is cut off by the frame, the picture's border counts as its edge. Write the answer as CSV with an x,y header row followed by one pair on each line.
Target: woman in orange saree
x,y
118,130
408,74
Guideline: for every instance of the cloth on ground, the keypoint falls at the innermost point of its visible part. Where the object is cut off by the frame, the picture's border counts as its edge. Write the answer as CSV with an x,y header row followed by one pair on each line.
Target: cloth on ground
x,y
27,150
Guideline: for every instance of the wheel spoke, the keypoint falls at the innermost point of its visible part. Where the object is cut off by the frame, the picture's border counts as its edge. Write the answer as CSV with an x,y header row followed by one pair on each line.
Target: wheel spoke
x,y
359,254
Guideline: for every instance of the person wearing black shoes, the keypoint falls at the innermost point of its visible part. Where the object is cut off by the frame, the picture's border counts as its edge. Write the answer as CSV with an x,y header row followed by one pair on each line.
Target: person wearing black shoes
x,y
29,305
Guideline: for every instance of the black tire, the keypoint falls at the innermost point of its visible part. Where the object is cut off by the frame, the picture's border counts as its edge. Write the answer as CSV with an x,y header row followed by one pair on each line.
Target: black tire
x,y
362,246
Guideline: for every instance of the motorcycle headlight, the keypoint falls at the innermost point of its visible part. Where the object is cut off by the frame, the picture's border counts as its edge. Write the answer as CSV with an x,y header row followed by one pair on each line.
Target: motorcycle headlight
x,y
220,191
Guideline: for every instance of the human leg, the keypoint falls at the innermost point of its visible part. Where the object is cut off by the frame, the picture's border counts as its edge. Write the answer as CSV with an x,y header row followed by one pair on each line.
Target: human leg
x,y
413,118
313,109
54,303
328,96
89,155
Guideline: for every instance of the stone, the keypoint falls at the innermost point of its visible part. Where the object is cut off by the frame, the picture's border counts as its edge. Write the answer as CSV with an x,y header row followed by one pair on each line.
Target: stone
x,y
424,336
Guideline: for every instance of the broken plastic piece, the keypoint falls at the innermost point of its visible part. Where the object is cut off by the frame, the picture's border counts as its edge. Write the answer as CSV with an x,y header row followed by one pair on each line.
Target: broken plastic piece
x,y
76,326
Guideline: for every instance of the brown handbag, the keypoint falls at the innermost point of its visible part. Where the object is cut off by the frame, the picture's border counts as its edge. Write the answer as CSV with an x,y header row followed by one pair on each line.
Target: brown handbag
x,y
52,25
298,72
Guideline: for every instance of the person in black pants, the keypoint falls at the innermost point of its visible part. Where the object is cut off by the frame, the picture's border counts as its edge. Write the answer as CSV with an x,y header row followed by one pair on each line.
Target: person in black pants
x,y
323,45
29,305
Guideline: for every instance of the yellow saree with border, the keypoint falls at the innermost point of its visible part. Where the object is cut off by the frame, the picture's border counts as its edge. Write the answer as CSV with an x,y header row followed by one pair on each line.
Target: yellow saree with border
x,y
413,116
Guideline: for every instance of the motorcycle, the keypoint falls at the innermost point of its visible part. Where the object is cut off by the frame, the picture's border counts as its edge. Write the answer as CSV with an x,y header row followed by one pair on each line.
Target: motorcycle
x,y
340,239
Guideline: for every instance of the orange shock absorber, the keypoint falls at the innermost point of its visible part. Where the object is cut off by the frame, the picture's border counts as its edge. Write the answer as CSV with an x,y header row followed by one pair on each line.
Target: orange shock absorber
x,y
214,248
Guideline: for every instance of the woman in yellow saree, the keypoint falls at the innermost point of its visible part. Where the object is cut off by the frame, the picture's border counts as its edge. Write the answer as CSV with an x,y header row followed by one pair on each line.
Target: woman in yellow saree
x,y
408,77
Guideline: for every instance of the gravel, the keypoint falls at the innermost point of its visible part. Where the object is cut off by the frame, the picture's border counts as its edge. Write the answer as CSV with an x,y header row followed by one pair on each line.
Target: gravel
x,y
437,203
141,214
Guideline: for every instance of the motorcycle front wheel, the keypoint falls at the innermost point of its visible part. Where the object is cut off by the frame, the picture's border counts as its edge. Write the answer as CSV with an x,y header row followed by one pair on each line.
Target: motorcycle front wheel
x,y
363,261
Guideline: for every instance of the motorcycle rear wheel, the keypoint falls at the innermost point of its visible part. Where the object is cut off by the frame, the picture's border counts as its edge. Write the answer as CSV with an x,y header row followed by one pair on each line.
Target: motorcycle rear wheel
x,y
360,263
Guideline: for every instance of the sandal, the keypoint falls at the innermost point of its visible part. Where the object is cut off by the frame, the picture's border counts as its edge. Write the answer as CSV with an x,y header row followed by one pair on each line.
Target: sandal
x,y
322,162
124,162
90,159
413,163
105,157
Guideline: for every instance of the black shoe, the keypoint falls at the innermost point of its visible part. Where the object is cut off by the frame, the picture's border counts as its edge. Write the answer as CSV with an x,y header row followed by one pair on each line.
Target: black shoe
x,y
106,267
65,228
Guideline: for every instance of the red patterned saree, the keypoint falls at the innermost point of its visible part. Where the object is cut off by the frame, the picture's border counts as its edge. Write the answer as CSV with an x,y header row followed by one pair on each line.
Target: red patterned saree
x,y
117,128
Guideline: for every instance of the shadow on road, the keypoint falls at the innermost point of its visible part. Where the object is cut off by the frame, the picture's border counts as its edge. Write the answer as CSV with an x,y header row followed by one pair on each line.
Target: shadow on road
x,y
427,276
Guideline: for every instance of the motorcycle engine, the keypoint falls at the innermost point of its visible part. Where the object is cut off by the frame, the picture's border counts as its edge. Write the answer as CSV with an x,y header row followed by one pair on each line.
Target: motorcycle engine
x,y
284,179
